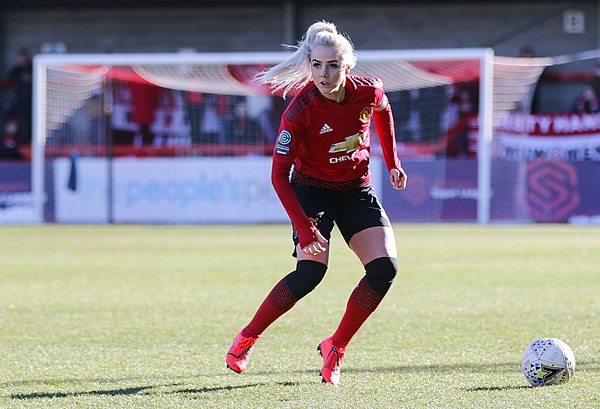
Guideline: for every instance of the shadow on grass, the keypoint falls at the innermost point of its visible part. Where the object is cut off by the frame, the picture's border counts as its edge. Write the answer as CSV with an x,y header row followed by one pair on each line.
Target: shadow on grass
x,y
232,387
497,388
142,390
75,381
500,367
146,390
108,392
441,368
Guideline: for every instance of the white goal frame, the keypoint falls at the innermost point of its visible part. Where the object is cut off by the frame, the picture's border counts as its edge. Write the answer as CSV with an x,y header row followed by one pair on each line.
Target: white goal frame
x,y
486,85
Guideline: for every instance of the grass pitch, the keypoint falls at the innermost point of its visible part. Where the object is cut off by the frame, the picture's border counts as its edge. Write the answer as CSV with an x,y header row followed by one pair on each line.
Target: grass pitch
x,y
142,317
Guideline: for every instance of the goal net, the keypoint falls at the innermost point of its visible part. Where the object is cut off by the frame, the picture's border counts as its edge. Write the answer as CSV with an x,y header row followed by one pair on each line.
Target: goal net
x,y
187,137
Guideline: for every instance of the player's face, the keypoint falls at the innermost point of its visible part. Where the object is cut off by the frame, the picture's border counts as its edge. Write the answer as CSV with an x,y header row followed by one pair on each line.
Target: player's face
x,y
328,73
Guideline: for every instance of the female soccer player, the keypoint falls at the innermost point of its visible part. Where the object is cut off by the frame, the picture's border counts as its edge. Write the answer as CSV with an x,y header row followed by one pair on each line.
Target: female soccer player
x,y
324,134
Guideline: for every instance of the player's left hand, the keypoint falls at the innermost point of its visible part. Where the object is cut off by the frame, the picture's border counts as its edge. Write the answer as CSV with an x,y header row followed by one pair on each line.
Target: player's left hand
x,y
398,179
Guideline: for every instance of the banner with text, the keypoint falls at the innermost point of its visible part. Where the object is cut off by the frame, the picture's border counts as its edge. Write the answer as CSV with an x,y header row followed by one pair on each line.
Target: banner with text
x,y
538,191
195,190
568,137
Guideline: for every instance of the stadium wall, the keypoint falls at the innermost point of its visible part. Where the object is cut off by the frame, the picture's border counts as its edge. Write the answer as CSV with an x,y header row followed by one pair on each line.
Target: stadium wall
x,y
504,27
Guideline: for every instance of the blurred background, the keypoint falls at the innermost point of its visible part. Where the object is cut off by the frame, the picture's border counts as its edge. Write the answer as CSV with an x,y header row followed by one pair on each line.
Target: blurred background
x,y
133,122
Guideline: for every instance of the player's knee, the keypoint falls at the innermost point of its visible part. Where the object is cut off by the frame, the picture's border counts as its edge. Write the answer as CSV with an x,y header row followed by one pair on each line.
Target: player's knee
x,y
380,273
306,277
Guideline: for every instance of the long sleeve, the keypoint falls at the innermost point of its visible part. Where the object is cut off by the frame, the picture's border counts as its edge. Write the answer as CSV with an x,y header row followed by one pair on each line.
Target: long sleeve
x,y
280,179
384,124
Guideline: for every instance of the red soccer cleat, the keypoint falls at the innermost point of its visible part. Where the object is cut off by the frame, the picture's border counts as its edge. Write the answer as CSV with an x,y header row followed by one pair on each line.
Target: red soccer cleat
x,y
238,356
332,361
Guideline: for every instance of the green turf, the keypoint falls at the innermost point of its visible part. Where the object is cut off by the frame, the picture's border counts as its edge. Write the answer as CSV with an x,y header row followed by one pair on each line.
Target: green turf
x,y
142,316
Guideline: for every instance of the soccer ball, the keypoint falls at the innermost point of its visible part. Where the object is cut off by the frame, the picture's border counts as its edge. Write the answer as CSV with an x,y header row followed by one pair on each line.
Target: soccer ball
x,y
548,361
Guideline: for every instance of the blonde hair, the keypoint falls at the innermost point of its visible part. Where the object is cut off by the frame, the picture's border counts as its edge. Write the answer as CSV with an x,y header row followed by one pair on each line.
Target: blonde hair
x,y
294,72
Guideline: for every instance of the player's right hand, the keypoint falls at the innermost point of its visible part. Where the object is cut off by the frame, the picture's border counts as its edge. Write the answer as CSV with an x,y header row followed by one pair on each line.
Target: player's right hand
x,y
317,246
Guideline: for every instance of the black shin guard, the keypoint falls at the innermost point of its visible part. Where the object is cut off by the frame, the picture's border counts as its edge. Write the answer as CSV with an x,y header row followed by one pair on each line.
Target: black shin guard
x,y
380,273
305,278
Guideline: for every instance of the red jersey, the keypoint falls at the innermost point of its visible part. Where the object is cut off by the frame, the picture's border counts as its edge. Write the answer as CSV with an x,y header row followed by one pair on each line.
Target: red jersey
x,y
328,143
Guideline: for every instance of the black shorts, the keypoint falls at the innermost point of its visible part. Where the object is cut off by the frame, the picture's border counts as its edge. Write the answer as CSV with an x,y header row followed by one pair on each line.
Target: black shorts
x,y
352,211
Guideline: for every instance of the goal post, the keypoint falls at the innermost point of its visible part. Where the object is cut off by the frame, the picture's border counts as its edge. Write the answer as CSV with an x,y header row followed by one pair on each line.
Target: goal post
x,y
484,141
66,85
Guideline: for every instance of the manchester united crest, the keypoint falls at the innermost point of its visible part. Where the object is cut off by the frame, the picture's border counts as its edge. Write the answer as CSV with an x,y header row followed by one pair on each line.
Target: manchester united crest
x,y
365,114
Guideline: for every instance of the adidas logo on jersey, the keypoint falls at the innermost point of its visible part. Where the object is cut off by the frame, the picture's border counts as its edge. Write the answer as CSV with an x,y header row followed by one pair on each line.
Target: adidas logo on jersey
x,y
326,128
